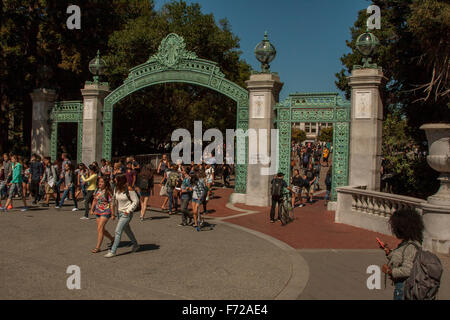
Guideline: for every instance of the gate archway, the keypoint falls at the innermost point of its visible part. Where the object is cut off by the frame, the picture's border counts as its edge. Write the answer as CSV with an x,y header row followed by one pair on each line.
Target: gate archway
x,y
173,63
316,107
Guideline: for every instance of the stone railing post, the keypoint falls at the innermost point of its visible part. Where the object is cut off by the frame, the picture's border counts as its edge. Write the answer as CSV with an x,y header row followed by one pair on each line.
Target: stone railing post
x,y
264,92
366,128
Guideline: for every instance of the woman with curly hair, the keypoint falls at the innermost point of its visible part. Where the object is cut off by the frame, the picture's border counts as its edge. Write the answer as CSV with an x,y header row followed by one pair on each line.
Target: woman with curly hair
x,y
407,225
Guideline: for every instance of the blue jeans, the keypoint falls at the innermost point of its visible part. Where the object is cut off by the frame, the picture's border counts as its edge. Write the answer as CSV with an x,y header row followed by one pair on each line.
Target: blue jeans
x,y
58,189
398,291
123,225
327,195
66,194
172,200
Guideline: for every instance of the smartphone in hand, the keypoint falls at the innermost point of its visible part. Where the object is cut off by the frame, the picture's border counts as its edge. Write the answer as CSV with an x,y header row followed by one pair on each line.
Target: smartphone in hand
x,y
380,243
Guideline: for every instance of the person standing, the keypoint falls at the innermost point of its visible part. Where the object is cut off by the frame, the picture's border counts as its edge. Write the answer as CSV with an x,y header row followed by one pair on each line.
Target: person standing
x,y
90,190
198,194
103,208
277,188
316,171
36,172
127,201
69,186
60,172
16,184
407,225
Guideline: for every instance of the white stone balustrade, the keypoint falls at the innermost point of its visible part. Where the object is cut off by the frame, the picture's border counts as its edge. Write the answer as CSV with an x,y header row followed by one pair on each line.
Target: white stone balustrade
x,y
371,209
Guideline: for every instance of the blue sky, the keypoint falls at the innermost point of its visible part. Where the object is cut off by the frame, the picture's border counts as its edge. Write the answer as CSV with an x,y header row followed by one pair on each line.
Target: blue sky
x,y
309,36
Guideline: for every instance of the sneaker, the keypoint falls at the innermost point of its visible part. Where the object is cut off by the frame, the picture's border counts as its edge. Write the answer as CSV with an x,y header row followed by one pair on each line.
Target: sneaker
x,y
45,205
75,209
57,207
182,225
301,205
135,248
109,255
272,221
10,207
24,209
84,218
3,209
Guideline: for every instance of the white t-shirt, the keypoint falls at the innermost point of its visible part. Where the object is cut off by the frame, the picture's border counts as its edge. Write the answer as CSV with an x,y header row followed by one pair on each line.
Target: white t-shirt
x,y
209,173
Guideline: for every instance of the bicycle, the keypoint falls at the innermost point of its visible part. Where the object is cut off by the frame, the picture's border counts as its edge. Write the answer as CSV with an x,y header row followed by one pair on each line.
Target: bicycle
x,y
287,213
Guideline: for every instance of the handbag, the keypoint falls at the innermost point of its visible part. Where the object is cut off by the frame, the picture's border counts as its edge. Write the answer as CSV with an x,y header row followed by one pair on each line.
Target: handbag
x,y
163,191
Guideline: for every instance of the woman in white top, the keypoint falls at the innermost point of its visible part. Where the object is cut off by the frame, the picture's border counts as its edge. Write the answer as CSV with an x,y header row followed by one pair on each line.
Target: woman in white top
x,y
127,201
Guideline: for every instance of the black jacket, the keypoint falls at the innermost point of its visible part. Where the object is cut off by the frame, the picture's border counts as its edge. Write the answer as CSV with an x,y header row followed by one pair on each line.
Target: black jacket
x,y
36,170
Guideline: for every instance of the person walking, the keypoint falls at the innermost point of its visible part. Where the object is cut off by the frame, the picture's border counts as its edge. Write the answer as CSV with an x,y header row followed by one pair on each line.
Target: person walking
x,y
90,190
186,191
407,225
103,208
48,180
172,179
297,183
69,186
198,194
36,173
127,201
277,188
143,184
328,181
7,174
81,186
310,179
16,184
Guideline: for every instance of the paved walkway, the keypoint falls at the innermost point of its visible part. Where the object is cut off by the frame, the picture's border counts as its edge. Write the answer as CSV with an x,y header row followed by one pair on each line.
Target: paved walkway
x,y
243,257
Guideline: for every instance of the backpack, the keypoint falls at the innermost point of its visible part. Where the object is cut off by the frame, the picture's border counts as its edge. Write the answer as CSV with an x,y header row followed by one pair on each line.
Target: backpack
x,y
138,208
142,182
172,180
425,278
277,187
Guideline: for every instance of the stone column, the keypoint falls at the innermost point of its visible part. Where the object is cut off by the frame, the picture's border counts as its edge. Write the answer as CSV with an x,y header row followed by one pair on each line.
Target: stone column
x,y
93,97
264,92
366,128
43,101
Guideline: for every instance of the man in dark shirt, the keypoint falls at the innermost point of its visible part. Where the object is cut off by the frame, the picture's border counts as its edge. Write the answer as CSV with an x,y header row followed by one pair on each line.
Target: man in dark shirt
x,y
310,179
36,173
277,189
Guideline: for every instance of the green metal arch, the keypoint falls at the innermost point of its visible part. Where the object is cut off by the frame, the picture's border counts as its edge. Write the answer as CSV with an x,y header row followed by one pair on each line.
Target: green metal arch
x,y
174,64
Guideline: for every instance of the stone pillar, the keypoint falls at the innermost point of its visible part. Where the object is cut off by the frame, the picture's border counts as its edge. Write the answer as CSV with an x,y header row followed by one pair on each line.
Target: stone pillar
x,y
264,92
366,128
436,211
43,101
93,97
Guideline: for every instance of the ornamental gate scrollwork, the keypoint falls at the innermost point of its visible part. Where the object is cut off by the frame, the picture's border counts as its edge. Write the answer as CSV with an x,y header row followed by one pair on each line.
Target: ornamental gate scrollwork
x,y
173,63
66,112
316,107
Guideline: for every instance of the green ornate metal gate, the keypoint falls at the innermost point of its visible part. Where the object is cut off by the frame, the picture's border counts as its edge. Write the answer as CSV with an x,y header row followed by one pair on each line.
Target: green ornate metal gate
x,y
65,112
173,63
316,107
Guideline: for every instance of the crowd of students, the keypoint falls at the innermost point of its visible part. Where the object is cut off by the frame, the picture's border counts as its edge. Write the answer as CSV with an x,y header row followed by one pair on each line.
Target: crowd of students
x,y
124,185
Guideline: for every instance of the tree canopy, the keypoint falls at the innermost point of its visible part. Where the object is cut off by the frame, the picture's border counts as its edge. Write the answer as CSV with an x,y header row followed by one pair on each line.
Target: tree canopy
x,y
414,55
33,33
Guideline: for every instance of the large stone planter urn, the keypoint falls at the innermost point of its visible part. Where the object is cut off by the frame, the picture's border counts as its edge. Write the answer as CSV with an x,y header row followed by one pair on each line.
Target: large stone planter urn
x,y
436,212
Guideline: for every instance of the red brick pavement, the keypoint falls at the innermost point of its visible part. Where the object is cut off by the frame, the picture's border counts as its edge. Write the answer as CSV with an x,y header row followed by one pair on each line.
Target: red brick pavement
x,y
313,228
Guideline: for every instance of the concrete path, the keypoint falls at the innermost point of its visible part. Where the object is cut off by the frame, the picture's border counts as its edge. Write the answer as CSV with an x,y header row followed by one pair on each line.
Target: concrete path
x,y
174,263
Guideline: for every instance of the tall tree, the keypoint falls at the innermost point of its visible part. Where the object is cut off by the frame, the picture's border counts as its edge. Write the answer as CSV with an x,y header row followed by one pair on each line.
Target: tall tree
x,y
153,113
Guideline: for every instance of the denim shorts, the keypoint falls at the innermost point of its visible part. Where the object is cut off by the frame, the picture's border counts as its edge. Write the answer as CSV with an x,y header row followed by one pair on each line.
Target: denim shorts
x,y
197,200
107,216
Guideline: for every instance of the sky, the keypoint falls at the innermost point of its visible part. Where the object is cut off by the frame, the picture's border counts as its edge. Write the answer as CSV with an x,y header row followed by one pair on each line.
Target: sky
x,y
309,36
